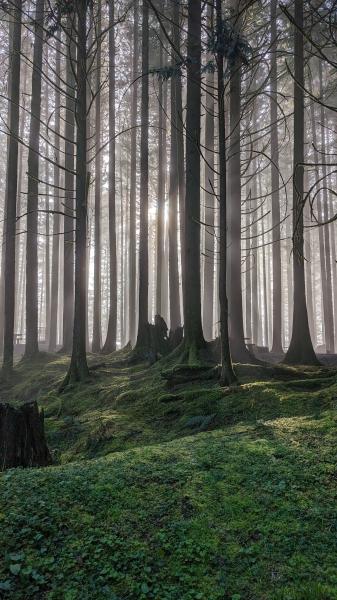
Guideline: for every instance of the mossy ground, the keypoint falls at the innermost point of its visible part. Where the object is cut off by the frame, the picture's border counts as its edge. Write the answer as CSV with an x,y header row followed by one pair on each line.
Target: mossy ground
x,y
186,493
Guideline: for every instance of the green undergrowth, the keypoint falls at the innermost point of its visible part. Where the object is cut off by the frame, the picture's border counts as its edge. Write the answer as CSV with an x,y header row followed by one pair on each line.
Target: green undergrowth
x,y
174,492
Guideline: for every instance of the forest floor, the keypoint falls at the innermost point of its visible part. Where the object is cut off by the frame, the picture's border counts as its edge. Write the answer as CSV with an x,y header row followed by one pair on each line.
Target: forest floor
x,y
174,493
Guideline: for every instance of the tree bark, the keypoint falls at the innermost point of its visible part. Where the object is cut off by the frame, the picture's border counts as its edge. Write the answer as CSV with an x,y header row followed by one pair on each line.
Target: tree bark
x,y
240,352
22,437
174,295
161,193
300,350
32,347
54,304
78,370
275,185
193,334
143,335
133,182
227,376
96,335
11,192
208,288
69,184
110,342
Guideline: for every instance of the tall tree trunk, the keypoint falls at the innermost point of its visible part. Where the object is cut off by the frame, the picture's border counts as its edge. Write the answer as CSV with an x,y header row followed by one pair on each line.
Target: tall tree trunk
x,y
300,350
69,184
18,239
78,370
227,376
308,267
161,193
54,306
96,335
32,346
275,185
238,346
208,296
256,315
329,324
110,342
143,330
193,334
326,298
180,152
133,182
174,296
11,191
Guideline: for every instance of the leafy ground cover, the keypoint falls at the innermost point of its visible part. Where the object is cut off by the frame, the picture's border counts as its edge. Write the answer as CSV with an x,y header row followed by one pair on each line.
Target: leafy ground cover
x,y
174,494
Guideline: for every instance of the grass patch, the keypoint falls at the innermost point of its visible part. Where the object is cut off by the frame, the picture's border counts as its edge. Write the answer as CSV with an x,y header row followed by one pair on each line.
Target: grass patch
x,y
185,494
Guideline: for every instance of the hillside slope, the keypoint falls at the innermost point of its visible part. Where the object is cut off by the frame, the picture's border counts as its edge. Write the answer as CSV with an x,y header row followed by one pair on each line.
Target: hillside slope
x,y
245,508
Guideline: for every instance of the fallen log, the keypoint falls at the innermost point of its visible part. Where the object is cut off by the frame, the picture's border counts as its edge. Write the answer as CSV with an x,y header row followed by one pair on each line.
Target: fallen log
x,y
22,437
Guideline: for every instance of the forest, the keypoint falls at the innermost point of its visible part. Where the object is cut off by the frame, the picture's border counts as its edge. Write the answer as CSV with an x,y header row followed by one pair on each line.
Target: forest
x,y
168,299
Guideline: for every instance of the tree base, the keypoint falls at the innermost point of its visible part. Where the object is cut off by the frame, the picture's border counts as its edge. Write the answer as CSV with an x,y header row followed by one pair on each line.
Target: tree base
x,y
78,372
22,437
153,342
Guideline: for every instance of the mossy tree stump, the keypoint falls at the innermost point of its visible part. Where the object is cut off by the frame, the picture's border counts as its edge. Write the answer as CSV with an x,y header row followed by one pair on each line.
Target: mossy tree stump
x,y
22,437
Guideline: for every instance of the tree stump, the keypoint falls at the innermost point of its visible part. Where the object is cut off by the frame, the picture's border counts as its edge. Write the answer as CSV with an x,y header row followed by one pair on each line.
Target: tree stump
x,y
22,437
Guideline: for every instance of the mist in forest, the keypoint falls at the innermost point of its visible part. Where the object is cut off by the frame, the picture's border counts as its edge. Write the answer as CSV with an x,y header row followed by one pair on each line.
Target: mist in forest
x,y
167,215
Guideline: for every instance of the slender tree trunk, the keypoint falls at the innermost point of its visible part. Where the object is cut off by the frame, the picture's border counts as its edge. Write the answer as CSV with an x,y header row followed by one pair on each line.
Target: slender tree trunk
x,y
329,323
256,316
193,334
248,280
208,296
78,370
143,331
174,296
133,182
240,352
110,342
56,217
227,376
326,298
11,191
181,160
308,268
161,194
69,184
32,346
300,350
275,184
18,239
264,279
96,336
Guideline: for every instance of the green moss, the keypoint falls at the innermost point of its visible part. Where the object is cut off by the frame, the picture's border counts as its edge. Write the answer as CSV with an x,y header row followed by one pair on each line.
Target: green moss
x,y
185,494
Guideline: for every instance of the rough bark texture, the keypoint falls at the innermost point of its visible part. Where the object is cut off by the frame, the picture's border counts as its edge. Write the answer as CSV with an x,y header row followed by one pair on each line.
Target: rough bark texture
x,y
208,274
193,334
133,183
275,184
96,335
300,350
78,370
110,342
11,193
32,347
142,336
329,323
161,194
69,184
227,375
175,315
238,346
54,304
22,437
